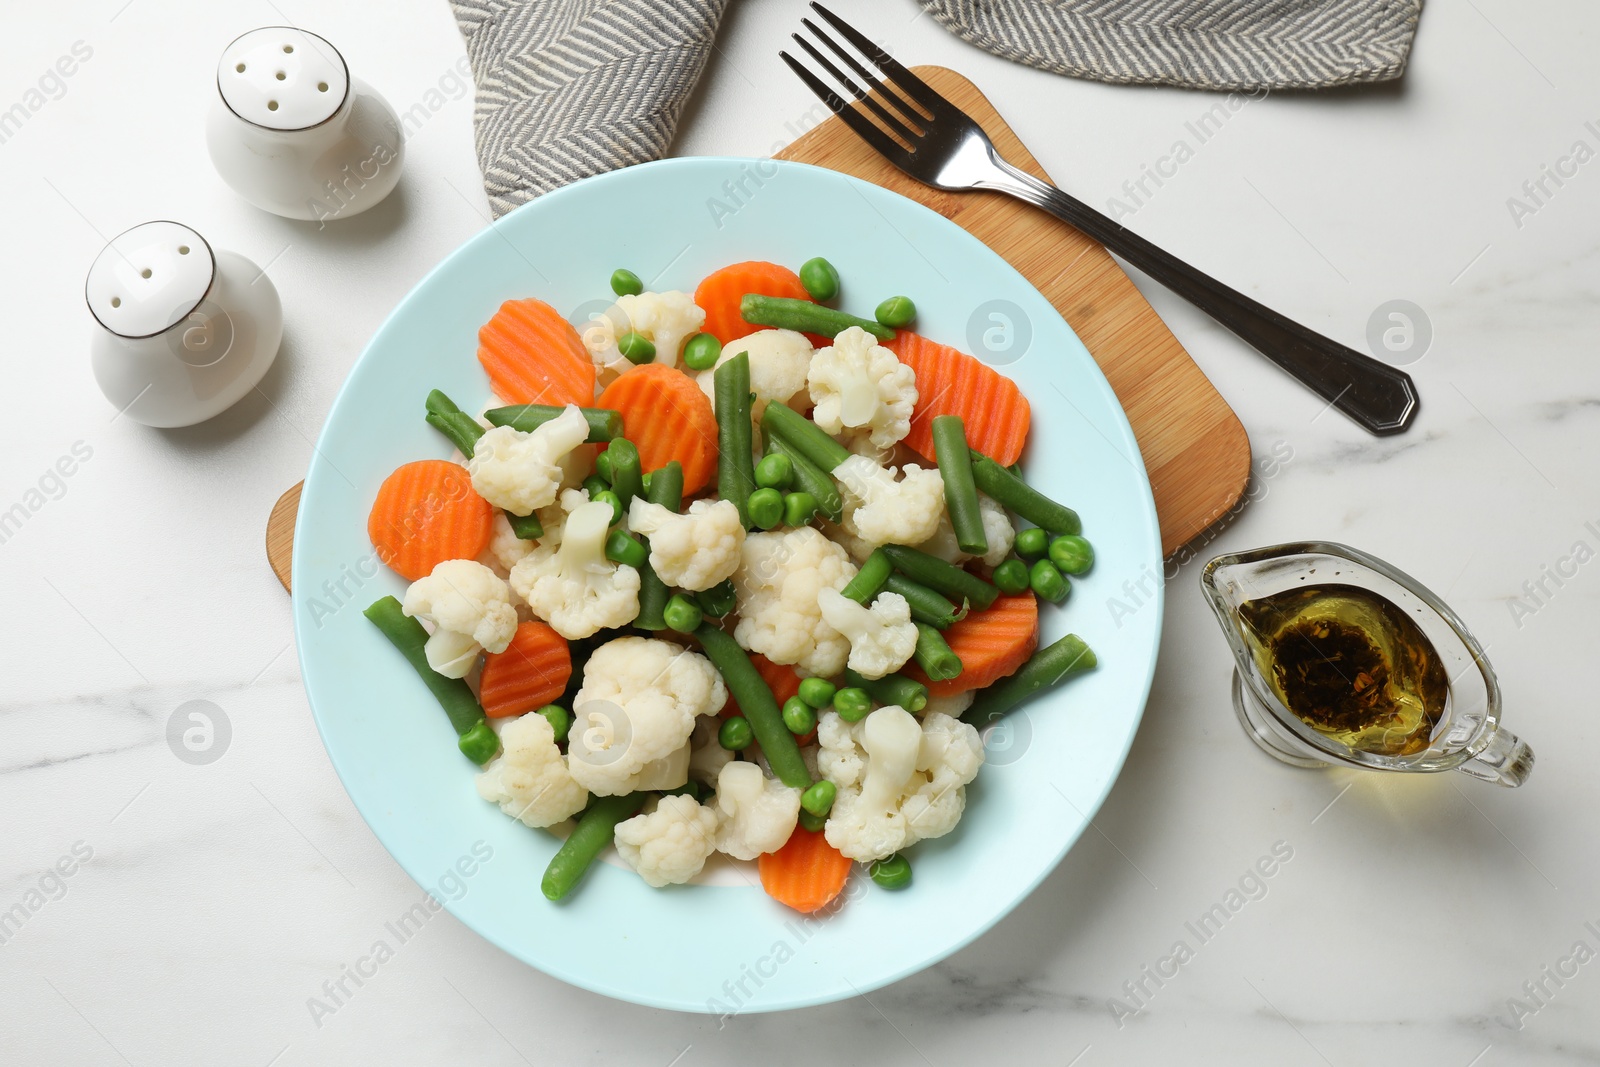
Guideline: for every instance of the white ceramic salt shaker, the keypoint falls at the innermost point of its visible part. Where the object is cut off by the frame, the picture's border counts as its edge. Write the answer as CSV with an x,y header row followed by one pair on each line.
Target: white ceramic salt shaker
x,y
184,330
295,134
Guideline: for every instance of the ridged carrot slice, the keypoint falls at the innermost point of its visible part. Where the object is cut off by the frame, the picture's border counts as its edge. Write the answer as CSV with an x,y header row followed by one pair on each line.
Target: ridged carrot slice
x,y
667,417
425,513
950,382
534,356
719,293
806,873
991,644
530,673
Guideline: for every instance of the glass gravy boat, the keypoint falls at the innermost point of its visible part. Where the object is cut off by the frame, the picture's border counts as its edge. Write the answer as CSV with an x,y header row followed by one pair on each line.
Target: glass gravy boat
x,y
1468,736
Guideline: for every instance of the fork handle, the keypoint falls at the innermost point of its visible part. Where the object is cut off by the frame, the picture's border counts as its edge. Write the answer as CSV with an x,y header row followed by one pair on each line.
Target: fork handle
x,y
1381,398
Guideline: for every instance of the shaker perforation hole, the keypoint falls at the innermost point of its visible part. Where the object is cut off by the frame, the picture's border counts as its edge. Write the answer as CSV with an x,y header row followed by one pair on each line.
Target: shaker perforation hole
x,y
322,87
145,273
288,48
272,105
183,250
116,301
281,75
240,68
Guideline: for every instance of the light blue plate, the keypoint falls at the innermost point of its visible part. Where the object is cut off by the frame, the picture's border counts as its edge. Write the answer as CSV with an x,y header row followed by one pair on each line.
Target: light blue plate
x,y
719,948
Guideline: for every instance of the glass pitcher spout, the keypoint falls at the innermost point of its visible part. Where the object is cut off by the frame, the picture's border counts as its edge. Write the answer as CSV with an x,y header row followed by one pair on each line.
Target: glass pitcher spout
x,y
1506,760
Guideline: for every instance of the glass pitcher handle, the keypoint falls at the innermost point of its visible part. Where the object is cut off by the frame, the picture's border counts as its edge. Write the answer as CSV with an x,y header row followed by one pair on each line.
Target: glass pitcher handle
x,y
1505,760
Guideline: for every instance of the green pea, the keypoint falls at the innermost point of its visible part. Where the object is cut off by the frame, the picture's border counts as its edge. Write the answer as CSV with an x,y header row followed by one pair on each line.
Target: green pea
x,y
897,311
817,692
480,743
1032,543
811,822
775,471
682,614
798,716
605,467
614,500
1011,576
718,600
892,873
1073,554
818,800
560,720
852,704
702,351
1048,582
636,348
799,508
594,485
766,508
736,734
626,283
821,281
621,548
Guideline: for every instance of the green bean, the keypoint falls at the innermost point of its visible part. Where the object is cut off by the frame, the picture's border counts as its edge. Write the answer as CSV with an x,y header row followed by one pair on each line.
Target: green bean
x,y
527,527
1048,583
816,692
1047,667
636,348
735,734
896,312
875,571
789,313
1031,543
1012,492
444,416
701,351
623,548
818,799
890,689
1073,554
408,636
775,471
799,716
820,279
808,477
798,508
891,873
852,703
560,720
933,654
803,436
626,283
603,424
960,492
644,480
666,489
926,605
627,480
736,476
940,576
1011,577
682,614
755,699
718,600
766,508
690,789
595,830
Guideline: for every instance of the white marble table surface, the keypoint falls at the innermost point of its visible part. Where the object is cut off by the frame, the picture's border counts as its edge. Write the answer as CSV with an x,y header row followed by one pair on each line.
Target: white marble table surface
x,y
215,900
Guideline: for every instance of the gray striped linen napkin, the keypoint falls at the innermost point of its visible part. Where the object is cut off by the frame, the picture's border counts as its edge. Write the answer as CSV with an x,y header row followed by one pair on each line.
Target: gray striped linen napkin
x,y
571,88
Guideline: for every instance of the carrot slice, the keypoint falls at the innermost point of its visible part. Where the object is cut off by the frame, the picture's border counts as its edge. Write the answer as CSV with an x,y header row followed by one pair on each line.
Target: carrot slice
x,y
950,382
806,873
719,293
991,644
425,513
530,673
667,418
534,356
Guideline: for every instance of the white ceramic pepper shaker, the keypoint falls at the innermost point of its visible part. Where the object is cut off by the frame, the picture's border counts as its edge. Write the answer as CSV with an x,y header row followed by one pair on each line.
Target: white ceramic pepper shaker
x,y
295,134
184,330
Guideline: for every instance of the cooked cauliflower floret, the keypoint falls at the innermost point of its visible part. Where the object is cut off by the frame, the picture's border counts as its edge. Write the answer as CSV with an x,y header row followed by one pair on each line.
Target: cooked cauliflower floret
x,y
955,705
573,586
665,319
882,511
638,704
898,781
758,813
505,547
861,390
779,577
707,757
529,779
669,844
882,637
997,530
470,608
692,551
522,472
779,360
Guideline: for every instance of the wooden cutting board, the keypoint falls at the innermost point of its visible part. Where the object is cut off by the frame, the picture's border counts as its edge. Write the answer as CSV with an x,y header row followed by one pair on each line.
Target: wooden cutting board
x,y
1194,446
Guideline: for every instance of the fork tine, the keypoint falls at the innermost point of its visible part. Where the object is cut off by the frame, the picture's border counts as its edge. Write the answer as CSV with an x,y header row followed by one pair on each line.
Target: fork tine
x,y
914,87
881,142
910,112
895,125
